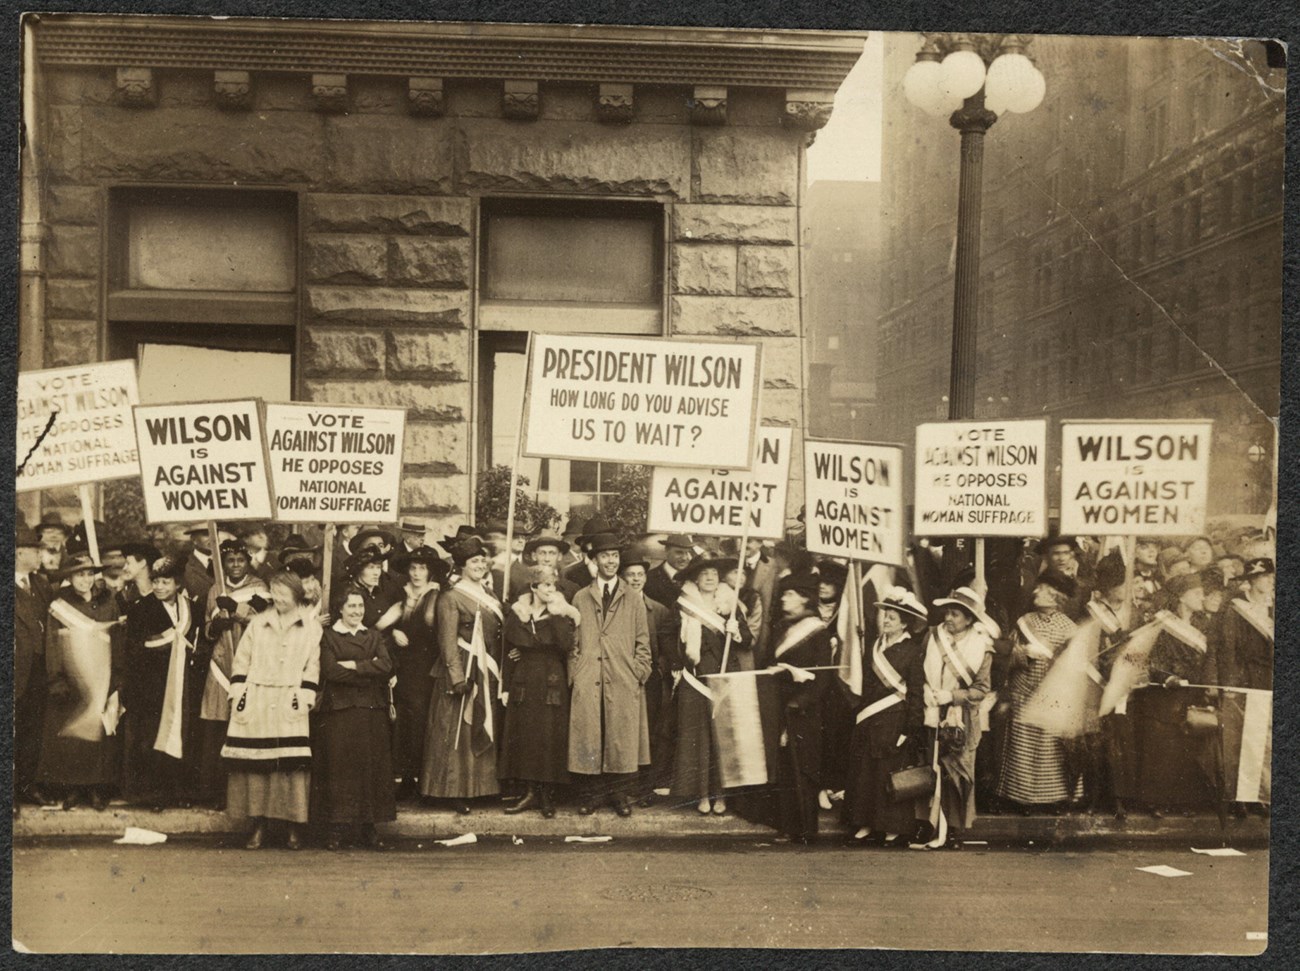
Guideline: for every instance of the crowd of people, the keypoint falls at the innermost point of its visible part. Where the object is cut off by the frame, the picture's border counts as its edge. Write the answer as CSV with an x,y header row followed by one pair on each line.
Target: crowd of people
x,y
574,668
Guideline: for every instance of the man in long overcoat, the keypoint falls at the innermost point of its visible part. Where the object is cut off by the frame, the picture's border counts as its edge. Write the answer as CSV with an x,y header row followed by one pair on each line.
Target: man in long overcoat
x,y
609,736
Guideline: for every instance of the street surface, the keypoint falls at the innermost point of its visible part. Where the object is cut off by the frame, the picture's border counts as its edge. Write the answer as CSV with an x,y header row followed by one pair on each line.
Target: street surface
x,y
209,896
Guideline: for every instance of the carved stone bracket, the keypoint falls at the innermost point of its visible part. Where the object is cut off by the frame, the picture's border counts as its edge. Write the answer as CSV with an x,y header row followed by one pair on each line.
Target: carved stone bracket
x,y
424,97
135,87
232,90
807,110
614,103
520,100
330,92
709,105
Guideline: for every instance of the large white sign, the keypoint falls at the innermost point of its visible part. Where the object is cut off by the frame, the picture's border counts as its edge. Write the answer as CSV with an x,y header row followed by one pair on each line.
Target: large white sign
x,y
1134,478
203,460
854,501
712,501
643,400
74,425
335,463
981,478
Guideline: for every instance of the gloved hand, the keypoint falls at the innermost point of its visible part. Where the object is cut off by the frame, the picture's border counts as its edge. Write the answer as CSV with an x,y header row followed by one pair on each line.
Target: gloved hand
x,y
460,688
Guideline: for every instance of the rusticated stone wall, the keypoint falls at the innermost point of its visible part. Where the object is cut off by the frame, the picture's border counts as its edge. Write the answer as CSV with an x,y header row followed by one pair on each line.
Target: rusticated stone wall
x,y
387,226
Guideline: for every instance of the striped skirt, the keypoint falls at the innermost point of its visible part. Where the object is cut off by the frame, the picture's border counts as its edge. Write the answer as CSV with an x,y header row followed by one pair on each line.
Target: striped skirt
x,y
1033,762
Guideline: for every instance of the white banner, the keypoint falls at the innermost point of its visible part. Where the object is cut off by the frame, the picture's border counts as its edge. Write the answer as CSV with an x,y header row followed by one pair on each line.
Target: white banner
x,y
74,425
1134,478
643,400
854,501
981,478
335,463
712,501
203,460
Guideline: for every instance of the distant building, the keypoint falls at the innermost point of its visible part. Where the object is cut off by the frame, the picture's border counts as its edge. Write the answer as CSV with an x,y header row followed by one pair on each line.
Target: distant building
x,y
1131,254
841,230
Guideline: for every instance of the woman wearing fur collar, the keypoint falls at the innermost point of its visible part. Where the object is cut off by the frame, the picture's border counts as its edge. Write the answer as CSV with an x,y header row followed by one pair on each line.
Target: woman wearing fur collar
x,y
539,633
958,662
709,622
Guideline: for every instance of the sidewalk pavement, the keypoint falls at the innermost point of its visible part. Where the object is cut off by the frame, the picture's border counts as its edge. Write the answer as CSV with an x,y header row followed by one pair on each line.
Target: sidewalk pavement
x,y
657,822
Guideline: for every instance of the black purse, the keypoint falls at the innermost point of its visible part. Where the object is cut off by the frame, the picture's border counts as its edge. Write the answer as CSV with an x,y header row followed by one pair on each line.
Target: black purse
x,y
905,785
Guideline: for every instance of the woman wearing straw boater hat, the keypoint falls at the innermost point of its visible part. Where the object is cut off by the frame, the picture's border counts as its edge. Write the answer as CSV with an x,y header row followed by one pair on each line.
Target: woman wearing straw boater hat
x,y
410,623
711,627
465,714
889,725
161,641
84,672
958,665
1033,765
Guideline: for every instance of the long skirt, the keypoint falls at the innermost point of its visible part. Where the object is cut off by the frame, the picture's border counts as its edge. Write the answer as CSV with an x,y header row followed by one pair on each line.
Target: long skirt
x,y
1172,768
452,769
68,761
1033,770
695,763
535,744
837,732
352,771
269,795
798,777
866,795
212,768
411,697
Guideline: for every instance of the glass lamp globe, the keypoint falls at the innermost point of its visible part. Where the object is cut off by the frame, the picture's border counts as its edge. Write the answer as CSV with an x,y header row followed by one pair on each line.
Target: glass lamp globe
x,y
963,74
1014,84
921,86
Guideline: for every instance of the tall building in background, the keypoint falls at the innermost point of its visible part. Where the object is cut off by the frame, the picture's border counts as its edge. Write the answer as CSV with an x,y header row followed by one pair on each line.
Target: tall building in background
x,y
841,232
1131,249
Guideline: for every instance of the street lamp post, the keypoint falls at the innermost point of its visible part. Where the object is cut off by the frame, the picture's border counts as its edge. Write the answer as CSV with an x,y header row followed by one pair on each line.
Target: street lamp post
x,y
972,78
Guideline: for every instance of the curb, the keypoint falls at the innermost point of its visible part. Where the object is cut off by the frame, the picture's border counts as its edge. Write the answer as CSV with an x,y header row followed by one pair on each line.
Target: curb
x,y
659,822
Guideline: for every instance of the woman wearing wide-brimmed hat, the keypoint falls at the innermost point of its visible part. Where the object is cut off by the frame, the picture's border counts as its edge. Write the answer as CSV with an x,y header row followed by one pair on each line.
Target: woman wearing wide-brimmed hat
x,y
460,756
410,625
889,724
84,669
1033,768
705,620
539,633
958,665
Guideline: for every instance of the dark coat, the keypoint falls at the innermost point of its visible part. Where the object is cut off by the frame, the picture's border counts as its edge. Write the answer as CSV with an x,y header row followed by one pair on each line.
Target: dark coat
x,y
1245,655
536,743
367,686
659,586
198,579
30,609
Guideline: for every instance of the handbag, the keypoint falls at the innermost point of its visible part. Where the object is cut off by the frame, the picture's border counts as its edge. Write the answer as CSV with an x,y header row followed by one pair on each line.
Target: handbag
x,y
908,784
1201,720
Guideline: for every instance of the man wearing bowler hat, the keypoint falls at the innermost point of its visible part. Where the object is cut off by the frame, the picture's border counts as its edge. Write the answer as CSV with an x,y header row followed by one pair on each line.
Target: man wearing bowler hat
x,y
547,551
583,572
609,737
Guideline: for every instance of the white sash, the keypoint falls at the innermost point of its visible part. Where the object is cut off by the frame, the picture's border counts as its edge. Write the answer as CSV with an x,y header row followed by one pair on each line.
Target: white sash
x,y
798,633
480,596
696,683
698,612
1036,647
476,648
168,739
954,658
1249,612
1104,616
1182,630
888,674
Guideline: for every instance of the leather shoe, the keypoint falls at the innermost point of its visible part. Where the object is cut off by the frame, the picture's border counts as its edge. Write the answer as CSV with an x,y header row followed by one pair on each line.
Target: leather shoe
x,y
332,844
97,801
586,810
461,807
548,805
528,802
373,840
255,840
623,807
74,799
293,841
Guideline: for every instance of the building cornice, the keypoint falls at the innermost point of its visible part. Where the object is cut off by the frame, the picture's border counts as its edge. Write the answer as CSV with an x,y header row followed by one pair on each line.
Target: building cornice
x,y
808,60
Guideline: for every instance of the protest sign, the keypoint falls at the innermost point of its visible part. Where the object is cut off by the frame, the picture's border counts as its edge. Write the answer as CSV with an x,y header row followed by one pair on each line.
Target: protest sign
x,y
335,463
1129,478
712,501
644,400
74,425
981,478
853,495
203,460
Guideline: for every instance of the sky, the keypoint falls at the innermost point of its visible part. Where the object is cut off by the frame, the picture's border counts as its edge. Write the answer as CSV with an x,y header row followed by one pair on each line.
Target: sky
x,y
848,148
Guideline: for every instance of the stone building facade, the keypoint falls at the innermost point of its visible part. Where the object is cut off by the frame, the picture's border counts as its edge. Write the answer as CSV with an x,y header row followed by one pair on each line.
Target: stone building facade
x,y
1131,257
384,205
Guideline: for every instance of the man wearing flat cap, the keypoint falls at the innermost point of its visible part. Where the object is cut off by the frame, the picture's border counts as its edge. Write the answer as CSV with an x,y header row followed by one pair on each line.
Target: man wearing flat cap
x,y
609,737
